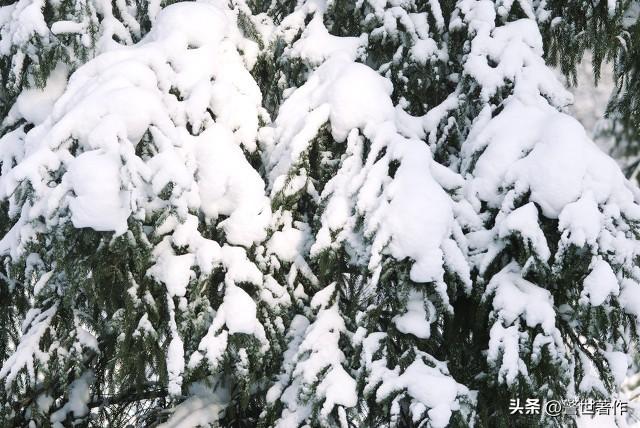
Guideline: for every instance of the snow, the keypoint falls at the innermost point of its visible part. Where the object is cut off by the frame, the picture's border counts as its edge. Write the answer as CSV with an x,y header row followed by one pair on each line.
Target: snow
x,y
528,150
429,386
599,284
145,327
26,20
630,297
238,313
570,164
44,402
213,346
42,282
619,364
287,243
516,300
67,27
554,162
107,107
202,408
35,104
241,311
174,271
415,320
422,50
184,24
337,388
418,222
316,44
159,134
504,352
314,350
90,131
597,421
229,186
115,98
524,221
99,203
175,366
413,215
86,339
516,48
274,294
358,97
79,395
581,221
347,94
323,298
28,351
516,297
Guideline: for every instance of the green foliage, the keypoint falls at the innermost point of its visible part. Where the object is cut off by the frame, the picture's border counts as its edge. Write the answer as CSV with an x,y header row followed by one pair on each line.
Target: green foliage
x,y
100,283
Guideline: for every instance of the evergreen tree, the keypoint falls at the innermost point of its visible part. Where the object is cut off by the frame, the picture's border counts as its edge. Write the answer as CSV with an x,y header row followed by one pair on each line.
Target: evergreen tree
x,y
306,213
39,36
135,216
611,32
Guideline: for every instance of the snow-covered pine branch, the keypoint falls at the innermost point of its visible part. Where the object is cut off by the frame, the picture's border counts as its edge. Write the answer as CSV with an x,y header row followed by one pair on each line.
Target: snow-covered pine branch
x,y
302,213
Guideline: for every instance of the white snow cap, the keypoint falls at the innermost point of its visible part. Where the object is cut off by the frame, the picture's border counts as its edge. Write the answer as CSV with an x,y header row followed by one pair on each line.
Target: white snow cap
x,y
156,128
412,216
600,284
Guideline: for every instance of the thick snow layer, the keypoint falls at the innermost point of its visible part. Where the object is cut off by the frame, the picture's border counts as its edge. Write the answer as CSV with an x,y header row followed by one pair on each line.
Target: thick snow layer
x,y
600,283
511,52
157,133
528,150
630,297
504,351
35,104
416,320
229,186
174,271
288,243
551,157
313,358
94,178
419,216
321,343
426,381
317,45
294,411
158,129
113,101
518,303
553,163
524,221
516,297
412,216
240,310
430,387
26,20
581,221
175,354
347,94
619,364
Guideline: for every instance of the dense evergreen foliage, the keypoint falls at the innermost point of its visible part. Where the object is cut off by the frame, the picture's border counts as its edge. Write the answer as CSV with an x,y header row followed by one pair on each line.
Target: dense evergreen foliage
x,y
310,213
